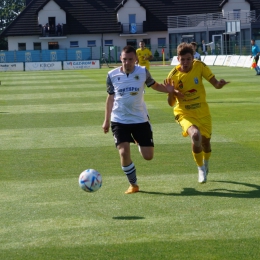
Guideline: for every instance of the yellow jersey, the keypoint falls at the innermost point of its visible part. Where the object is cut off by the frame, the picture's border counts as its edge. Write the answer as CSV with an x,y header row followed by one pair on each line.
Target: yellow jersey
x,y
141,54
190,84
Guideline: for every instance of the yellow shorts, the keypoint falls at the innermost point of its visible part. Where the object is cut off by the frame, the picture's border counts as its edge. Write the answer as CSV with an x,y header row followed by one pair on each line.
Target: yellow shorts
x,y
204,124
147,65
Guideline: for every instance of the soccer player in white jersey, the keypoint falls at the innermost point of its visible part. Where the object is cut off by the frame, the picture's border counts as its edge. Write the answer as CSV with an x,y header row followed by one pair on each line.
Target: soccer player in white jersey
x,y
196,54
126,111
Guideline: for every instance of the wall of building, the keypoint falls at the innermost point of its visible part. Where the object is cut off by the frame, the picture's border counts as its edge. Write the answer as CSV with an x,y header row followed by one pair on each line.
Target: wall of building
x,y
51,9
131,7
64,41
232,5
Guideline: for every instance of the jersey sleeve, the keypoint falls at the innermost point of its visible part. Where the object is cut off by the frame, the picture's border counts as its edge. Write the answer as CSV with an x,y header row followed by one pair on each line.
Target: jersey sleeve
x,y
110,87
149,80
172,72
206,72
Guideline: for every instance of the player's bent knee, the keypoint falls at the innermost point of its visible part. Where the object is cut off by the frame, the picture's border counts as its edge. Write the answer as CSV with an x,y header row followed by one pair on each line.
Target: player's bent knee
x,y
196,138
147,153
148,157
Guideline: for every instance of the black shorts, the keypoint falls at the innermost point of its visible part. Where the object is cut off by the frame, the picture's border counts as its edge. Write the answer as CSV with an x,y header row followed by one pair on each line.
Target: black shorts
x,y
133,133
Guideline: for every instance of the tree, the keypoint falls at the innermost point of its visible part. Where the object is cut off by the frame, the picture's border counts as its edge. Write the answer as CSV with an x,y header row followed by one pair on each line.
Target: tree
x,y
156,55
9,10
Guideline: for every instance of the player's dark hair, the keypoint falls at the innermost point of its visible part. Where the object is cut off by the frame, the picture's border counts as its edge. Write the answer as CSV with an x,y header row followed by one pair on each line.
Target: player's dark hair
x,y
185,48
194,44
129,49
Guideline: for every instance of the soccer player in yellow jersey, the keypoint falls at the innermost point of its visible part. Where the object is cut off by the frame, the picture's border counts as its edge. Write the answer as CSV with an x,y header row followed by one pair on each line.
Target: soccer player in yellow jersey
x,y
144,55
191,108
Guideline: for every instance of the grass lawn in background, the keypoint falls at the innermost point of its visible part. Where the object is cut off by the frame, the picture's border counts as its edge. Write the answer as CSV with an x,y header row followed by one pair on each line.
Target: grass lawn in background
x,y
50,131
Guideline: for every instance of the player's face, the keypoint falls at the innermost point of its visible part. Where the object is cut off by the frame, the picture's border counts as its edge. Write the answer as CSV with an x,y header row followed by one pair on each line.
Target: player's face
x,y
141,45
185,62
128,61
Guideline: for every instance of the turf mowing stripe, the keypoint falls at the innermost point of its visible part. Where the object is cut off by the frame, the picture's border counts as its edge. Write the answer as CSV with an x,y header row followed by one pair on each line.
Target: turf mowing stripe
x,y
81,107
57,95
84,136
69,107
46,85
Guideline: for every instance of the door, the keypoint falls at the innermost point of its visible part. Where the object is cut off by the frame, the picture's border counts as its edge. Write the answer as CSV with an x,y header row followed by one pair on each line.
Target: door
x,y
52,25
132,18
132,23
218,40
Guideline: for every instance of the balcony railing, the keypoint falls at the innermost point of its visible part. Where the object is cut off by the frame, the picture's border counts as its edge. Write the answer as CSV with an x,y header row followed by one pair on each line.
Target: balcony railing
x,y
55,31
132,28
210,19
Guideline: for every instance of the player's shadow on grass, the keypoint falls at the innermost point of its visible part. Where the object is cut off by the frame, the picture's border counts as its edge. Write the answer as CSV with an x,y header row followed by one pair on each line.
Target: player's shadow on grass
x,y
234,102
247,194
128,217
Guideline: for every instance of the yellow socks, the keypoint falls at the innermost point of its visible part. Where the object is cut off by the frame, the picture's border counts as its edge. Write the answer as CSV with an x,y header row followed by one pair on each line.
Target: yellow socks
x,y
206,156
198,158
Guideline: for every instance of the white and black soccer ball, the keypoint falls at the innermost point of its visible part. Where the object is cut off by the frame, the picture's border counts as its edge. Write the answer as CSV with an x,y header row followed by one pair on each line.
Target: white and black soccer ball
x,y
90,180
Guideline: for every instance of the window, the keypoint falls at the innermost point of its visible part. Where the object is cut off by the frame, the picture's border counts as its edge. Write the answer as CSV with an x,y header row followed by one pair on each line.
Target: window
x,y
21,46
161,42
236,14
233,26
147,43
132,42
74,44
37,46
108,42
53,45
91,43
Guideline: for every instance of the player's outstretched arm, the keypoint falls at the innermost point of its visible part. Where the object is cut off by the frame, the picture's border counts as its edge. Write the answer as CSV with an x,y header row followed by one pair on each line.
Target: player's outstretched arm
x,y
108,110
167,87
218,84
176,93
171,99
163,88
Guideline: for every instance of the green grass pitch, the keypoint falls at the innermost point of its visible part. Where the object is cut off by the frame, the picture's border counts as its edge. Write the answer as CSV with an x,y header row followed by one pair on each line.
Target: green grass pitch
x,y
50,131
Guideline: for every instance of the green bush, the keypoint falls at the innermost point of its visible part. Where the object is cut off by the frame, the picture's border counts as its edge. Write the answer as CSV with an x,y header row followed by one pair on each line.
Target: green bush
x,y
156,55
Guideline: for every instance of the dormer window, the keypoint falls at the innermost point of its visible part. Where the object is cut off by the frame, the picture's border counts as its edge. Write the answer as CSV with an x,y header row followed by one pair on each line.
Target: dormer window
x,y
237,14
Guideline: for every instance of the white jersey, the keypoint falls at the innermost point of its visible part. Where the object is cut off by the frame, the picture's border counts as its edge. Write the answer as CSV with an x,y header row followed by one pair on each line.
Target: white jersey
x,y
129,106
197,56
